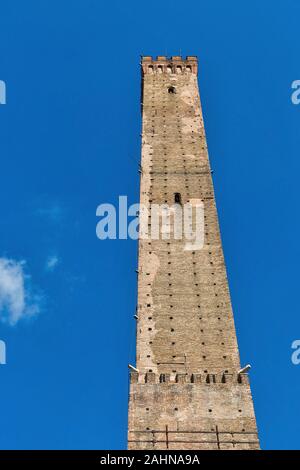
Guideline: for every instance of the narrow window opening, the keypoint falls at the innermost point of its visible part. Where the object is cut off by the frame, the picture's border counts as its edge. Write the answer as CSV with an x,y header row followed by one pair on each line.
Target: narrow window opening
x,y
177,198
171,89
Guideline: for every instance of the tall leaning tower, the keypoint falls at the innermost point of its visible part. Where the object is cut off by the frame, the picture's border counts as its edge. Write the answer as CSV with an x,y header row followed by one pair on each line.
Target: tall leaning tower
x,y
187,392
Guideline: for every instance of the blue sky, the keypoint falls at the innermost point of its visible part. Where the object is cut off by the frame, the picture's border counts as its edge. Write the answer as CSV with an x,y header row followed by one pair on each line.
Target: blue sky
x,y
69,140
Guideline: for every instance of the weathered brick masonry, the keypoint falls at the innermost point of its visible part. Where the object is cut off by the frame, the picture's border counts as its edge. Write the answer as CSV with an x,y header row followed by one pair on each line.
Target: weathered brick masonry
x,y
188,393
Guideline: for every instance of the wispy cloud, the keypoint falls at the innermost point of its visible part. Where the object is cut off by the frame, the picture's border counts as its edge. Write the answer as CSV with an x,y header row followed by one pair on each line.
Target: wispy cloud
x,y
17,300
52,262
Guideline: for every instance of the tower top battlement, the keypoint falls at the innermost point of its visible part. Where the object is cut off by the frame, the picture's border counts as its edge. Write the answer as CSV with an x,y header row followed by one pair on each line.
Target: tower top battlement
x,y
173,64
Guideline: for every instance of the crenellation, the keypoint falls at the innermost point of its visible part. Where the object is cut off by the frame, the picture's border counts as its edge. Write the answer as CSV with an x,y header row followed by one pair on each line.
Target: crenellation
x,y
196,378
169,65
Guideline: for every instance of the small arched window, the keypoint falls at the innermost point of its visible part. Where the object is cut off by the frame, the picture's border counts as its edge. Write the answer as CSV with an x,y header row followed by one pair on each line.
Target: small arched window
x,y
171,89
177,198
150,69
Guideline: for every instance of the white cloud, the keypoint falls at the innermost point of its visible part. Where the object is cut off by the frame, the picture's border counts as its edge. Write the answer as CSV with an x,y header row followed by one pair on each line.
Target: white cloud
x,y
16,298
52,262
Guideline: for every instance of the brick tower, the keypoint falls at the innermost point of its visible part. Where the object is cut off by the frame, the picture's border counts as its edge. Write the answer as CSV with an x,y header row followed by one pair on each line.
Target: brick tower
x,y
188,392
